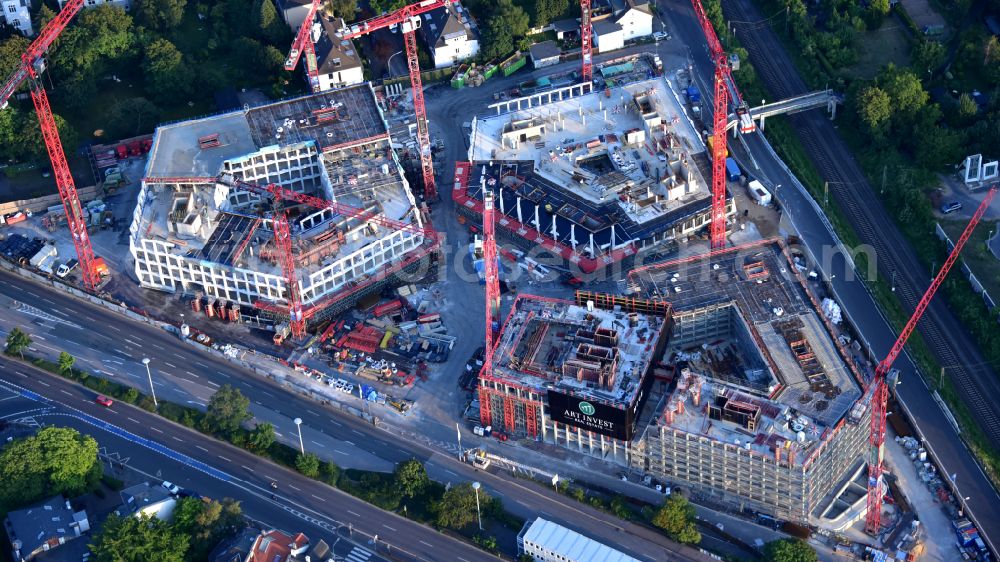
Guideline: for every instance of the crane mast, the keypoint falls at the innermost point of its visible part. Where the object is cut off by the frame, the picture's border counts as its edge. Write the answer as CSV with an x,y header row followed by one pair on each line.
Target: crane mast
x,y
303,44
408,19
879,386
724,90
586,49
30,69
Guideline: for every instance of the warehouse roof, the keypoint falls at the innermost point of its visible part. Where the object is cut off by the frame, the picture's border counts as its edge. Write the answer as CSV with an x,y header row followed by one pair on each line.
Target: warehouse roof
x,y
569,544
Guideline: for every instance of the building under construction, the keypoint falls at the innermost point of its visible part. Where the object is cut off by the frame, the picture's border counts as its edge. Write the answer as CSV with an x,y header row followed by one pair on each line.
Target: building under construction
x,y
596,177
195,231
575,374
763,408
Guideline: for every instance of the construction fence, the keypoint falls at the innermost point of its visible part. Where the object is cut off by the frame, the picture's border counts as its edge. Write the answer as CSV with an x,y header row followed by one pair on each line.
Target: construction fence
x,y
988,299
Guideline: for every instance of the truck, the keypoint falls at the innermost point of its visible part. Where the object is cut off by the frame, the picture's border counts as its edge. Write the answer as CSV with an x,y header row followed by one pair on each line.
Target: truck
x,y
732,169
693,95
759,193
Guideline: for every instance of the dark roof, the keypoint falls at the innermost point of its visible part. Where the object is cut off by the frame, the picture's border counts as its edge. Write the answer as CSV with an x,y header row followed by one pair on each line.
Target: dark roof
x,y
606,26
438,25
545,50
566,25
234,549
333,54
38,524
139,496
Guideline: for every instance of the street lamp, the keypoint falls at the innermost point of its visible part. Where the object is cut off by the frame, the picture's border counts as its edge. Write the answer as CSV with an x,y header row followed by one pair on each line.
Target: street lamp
x,y
298,424
388,63
149,375
479,515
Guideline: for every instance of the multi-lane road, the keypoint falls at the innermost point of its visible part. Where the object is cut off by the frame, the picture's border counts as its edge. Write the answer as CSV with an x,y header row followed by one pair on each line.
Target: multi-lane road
x,y
58,321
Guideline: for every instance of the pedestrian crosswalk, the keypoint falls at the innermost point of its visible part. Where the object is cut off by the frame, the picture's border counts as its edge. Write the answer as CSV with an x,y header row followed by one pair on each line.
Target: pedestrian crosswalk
x,y
358,554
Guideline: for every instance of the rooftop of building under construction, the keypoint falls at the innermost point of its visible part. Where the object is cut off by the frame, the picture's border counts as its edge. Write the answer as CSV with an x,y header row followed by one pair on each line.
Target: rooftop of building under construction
x,y
598,352
364,174
755,358
329,119
626,156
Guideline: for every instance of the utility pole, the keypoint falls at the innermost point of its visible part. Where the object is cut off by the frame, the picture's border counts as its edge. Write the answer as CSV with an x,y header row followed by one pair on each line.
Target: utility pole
x,y
884,169
826,193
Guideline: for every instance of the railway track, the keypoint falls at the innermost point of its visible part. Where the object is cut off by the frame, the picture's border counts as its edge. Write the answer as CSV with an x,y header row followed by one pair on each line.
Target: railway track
x,y
952,346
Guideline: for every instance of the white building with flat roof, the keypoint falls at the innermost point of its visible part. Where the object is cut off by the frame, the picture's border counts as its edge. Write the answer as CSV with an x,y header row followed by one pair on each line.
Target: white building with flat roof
x,y
546,541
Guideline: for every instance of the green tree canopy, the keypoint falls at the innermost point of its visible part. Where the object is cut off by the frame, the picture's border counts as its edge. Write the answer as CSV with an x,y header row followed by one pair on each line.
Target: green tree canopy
x,y
270,25
206,523
161,15
346,9
98,38
11,50
506,24
789,550
131,116
135,539
457,507
167,76
66,362
308,464
227,410
261,438
56,460
908,94
411,478
17,342
676,518
381,6
874,108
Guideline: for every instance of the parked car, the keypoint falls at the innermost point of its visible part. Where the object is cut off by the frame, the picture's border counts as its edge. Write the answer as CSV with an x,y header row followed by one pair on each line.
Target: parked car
x,y
661,36
104,400
951,207
66,268
174,489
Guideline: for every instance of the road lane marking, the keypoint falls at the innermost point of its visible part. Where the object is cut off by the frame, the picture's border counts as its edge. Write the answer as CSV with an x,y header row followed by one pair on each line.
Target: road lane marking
x,y
451,473
267,393
315,496
296,488
390,528
353,513
32,294
158,383
271,478
351,444
461,559
134,420
43,383
425,543
175,438
358,432
171,365
223,374
20,373
317,442
224,458
247,467
115,328
339,451
156,429
179,356
53,303
60,313
192,374
311,412
39,337
200,447
160,347
213,384
200,364
9,398
66,392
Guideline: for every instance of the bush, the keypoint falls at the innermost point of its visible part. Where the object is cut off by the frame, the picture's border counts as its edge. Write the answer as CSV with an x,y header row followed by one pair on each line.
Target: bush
x,y
329,472
112,482
308,464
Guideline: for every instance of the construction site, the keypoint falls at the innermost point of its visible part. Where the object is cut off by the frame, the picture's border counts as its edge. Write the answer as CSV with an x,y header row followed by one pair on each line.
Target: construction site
x,y
209,208
595,176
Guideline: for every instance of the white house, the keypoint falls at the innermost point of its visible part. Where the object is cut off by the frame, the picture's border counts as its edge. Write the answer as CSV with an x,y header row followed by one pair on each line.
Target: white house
x,y
338,61
608,35
635,17
16,14
450,34
143,500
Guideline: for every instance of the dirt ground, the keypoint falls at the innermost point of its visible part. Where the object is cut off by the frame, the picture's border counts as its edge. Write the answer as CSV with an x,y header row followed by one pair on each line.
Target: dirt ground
x,y
887,44
922,13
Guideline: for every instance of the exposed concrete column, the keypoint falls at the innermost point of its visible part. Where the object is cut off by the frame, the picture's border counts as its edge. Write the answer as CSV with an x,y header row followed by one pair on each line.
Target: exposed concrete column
x,y
590,439
572,235
761,127
538,224
519,219
592,244
579,439
833,109
503,208
612,237
555,233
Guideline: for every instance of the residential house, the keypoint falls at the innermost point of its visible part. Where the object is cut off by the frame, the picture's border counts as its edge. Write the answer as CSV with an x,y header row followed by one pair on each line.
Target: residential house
x,y
145,500
635,17
16,15
43,527
235,549
545,54
277,546
451,35
608,35
566,29
338,61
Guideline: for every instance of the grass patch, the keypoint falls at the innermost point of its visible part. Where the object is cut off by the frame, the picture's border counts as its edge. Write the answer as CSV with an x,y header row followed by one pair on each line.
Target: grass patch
x,y
890,43
984,265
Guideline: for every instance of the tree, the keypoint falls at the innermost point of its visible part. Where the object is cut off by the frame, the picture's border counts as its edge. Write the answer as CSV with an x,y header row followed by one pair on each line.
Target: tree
x,y
11,50
308,465
346,9
457,507
506,24
261,438
411,478
789,550
908,94
162,15
66,363
99,37
131,116
967,107
17,342
874,108
382,6
167,76
676,518
131,539
56,460
329,472
206,523
876,12
927,55
227,410
270,27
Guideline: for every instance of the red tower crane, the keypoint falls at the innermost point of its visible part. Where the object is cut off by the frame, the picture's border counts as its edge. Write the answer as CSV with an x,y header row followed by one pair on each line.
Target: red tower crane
x,y
408,18
492,277
586,49
31,67
879,387
297,312
303,44
725,89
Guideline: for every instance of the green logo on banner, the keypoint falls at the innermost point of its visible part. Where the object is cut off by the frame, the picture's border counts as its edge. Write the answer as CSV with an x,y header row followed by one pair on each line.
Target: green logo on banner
x,y
587,408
